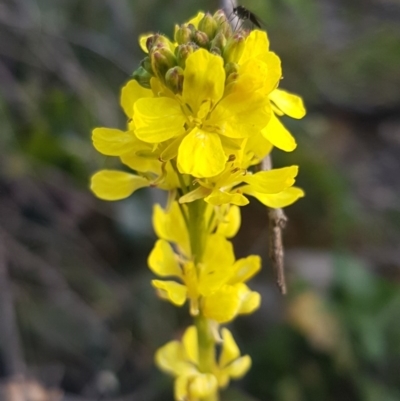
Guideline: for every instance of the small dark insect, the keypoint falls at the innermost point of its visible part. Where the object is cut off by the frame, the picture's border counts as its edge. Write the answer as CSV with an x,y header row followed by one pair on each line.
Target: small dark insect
x,y
244,14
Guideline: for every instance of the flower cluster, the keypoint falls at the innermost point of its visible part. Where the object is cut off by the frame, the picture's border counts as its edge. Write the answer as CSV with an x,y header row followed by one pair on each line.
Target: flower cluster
x,y
202,110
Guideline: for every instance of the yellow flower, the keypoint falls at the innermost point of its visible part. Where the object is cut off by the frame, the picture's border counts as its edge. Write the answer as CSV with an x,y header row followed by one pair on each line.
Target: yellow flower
x,y
201,116
257,55
215,286
181,360
274,188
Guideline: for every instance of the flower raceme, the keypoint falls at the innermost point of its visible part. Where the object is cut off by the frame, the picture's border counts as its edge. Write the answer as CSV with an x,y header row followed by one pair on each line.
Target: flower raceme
x,y
202,110
202,106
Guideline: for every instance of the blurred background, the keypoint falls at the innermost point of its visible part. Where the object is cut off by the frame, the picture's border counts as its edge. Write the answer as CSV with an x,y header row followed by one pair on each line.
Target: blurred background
x,y
78,317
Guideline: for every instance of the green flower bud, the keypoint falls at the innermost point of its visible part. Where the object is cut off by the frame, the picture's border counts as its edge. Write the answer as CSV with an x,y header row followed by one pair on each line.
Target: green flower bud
x,y
219,41
183,52
208,25
231,68
234,48
142,77
223,24
201,39
231,78
231,73
162,59
183,35
174,79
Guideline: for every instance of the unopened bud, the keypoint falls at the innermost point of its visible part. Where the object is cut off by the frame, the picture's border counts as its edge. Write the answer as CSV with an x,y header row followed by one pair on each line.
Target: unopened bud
x,y
219,41
159,41
174,79
201,39
162,60
231,68
234,48
223,24
183,52
208,25
183,35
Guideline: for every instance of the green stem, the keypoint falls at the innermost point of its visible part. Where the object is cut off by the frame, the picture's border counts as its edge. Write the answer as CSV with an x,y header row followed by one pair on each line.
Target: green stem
x,y
197,229
206,343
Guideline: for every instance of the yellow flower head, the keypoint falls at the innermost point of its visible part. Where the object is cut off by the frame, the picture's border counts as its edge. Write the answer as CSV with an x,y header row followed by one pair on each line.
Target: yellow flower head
x,y
201,102
215,287
181,360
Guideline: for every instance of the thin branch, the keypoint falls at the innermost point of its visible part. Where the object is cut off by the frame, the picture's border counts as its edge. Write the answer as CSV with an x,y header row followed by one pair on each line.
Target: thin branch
x,y
277,222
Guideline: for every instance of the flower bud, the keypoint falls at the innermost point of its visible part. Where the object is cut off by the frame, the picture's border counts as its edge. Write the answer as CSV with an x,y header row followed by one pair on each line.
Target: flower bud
x,y
223,24
231,68
201,39
183,52
234,48
162,59
183,35
157,40
219,41
208,25
230,79
174,79
142,77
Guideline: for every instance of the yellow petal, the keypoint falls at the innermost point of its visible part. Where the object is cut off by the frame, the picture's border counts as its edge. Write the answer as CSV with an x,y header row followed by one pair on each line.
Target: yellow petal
x,y
241,114
170,225
215,269
202,386
278,200
291,105
272,181
112,142
244,269
195,20
223,305
181,385
198,193
262,74
230,350
170,290
190,344
278,135
131,92
257,147
204,79
142,164
115,185
218,198
249,300
158,119
142,41
201,154
170,357
257,44
239,367
163,261
231,222
218,252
